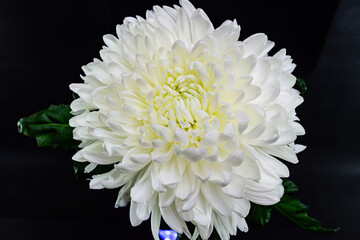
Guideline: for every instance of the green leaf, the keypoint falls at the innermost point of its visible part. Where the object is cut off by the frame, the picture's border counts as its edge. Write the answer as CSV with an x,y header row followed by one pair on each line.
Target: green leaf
x,y
50,127
291,208
79,168
289,187
258,216
301,84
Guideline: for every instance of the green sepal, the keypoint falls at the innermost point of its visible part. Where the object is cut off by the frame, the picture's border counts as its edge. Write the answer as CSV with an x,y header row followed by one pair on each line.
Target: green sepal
x,y
292,209
258,216
79,170
50,127
300,83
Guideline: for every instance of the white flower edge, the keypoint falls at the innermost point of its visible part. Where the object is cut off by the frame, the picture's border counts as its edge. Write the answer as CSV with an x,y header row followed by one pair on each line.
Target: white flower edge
x,y
193,120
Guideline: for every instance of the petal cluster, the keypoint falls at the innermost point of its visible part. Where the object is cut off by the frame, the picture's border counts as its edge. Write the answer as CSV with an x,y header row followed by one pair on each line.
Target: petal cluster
x,y
193,120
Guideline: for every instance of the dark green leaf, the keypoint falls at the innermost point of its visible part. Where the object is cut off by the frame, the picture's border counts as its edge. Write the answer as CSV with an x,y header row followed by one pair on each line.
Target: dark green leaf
x,y
289,186
79,168
301,84
50,127
258,216
291,208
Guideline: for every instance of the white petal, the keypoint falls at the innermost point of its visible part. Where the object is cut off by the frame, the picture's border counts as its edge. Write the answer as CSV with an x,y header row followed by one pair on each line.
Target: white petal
x,y
210,139
129,167
283,152
95,153
251,93
192,200
201,169
186,186
195,234
231,145
162,154
263,194
155,222
221,174
135,221
124,194
242,225
181,136
205,232
90,167
298,148
200,25
142,211
255,44
218,200
228,131
141,158
297,128
166,198
242,206
271,165
213,156
236,187
155,181
248,169
169,173
183,24
243,121
114,180
202,213
285,137
163,132
235,158
172,218
220,227
255,132
95,183
187,6
194,154
142,190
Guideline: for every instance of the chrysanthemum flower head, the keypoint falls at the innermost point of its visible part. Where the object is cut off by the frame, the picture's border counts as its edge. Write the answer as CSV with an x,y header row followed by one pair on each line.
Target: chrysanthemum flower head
x,y
193,120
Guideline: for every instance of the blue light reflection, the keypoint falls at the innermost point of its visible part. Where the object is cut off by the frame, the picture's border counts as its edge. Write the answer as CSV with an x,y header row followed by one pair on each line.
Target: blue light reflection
x,y
167,234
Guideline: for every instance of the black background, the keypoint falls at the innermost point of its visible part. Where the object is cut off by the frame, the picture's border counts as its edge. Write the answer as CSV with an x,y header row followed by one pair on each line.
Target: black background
x,y
43,44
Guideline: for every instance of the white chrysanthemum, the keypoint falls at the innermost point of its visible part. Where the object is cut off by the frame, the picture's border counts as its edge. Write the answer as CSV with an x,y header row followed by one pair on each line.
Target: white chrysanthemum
x,y
192,119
